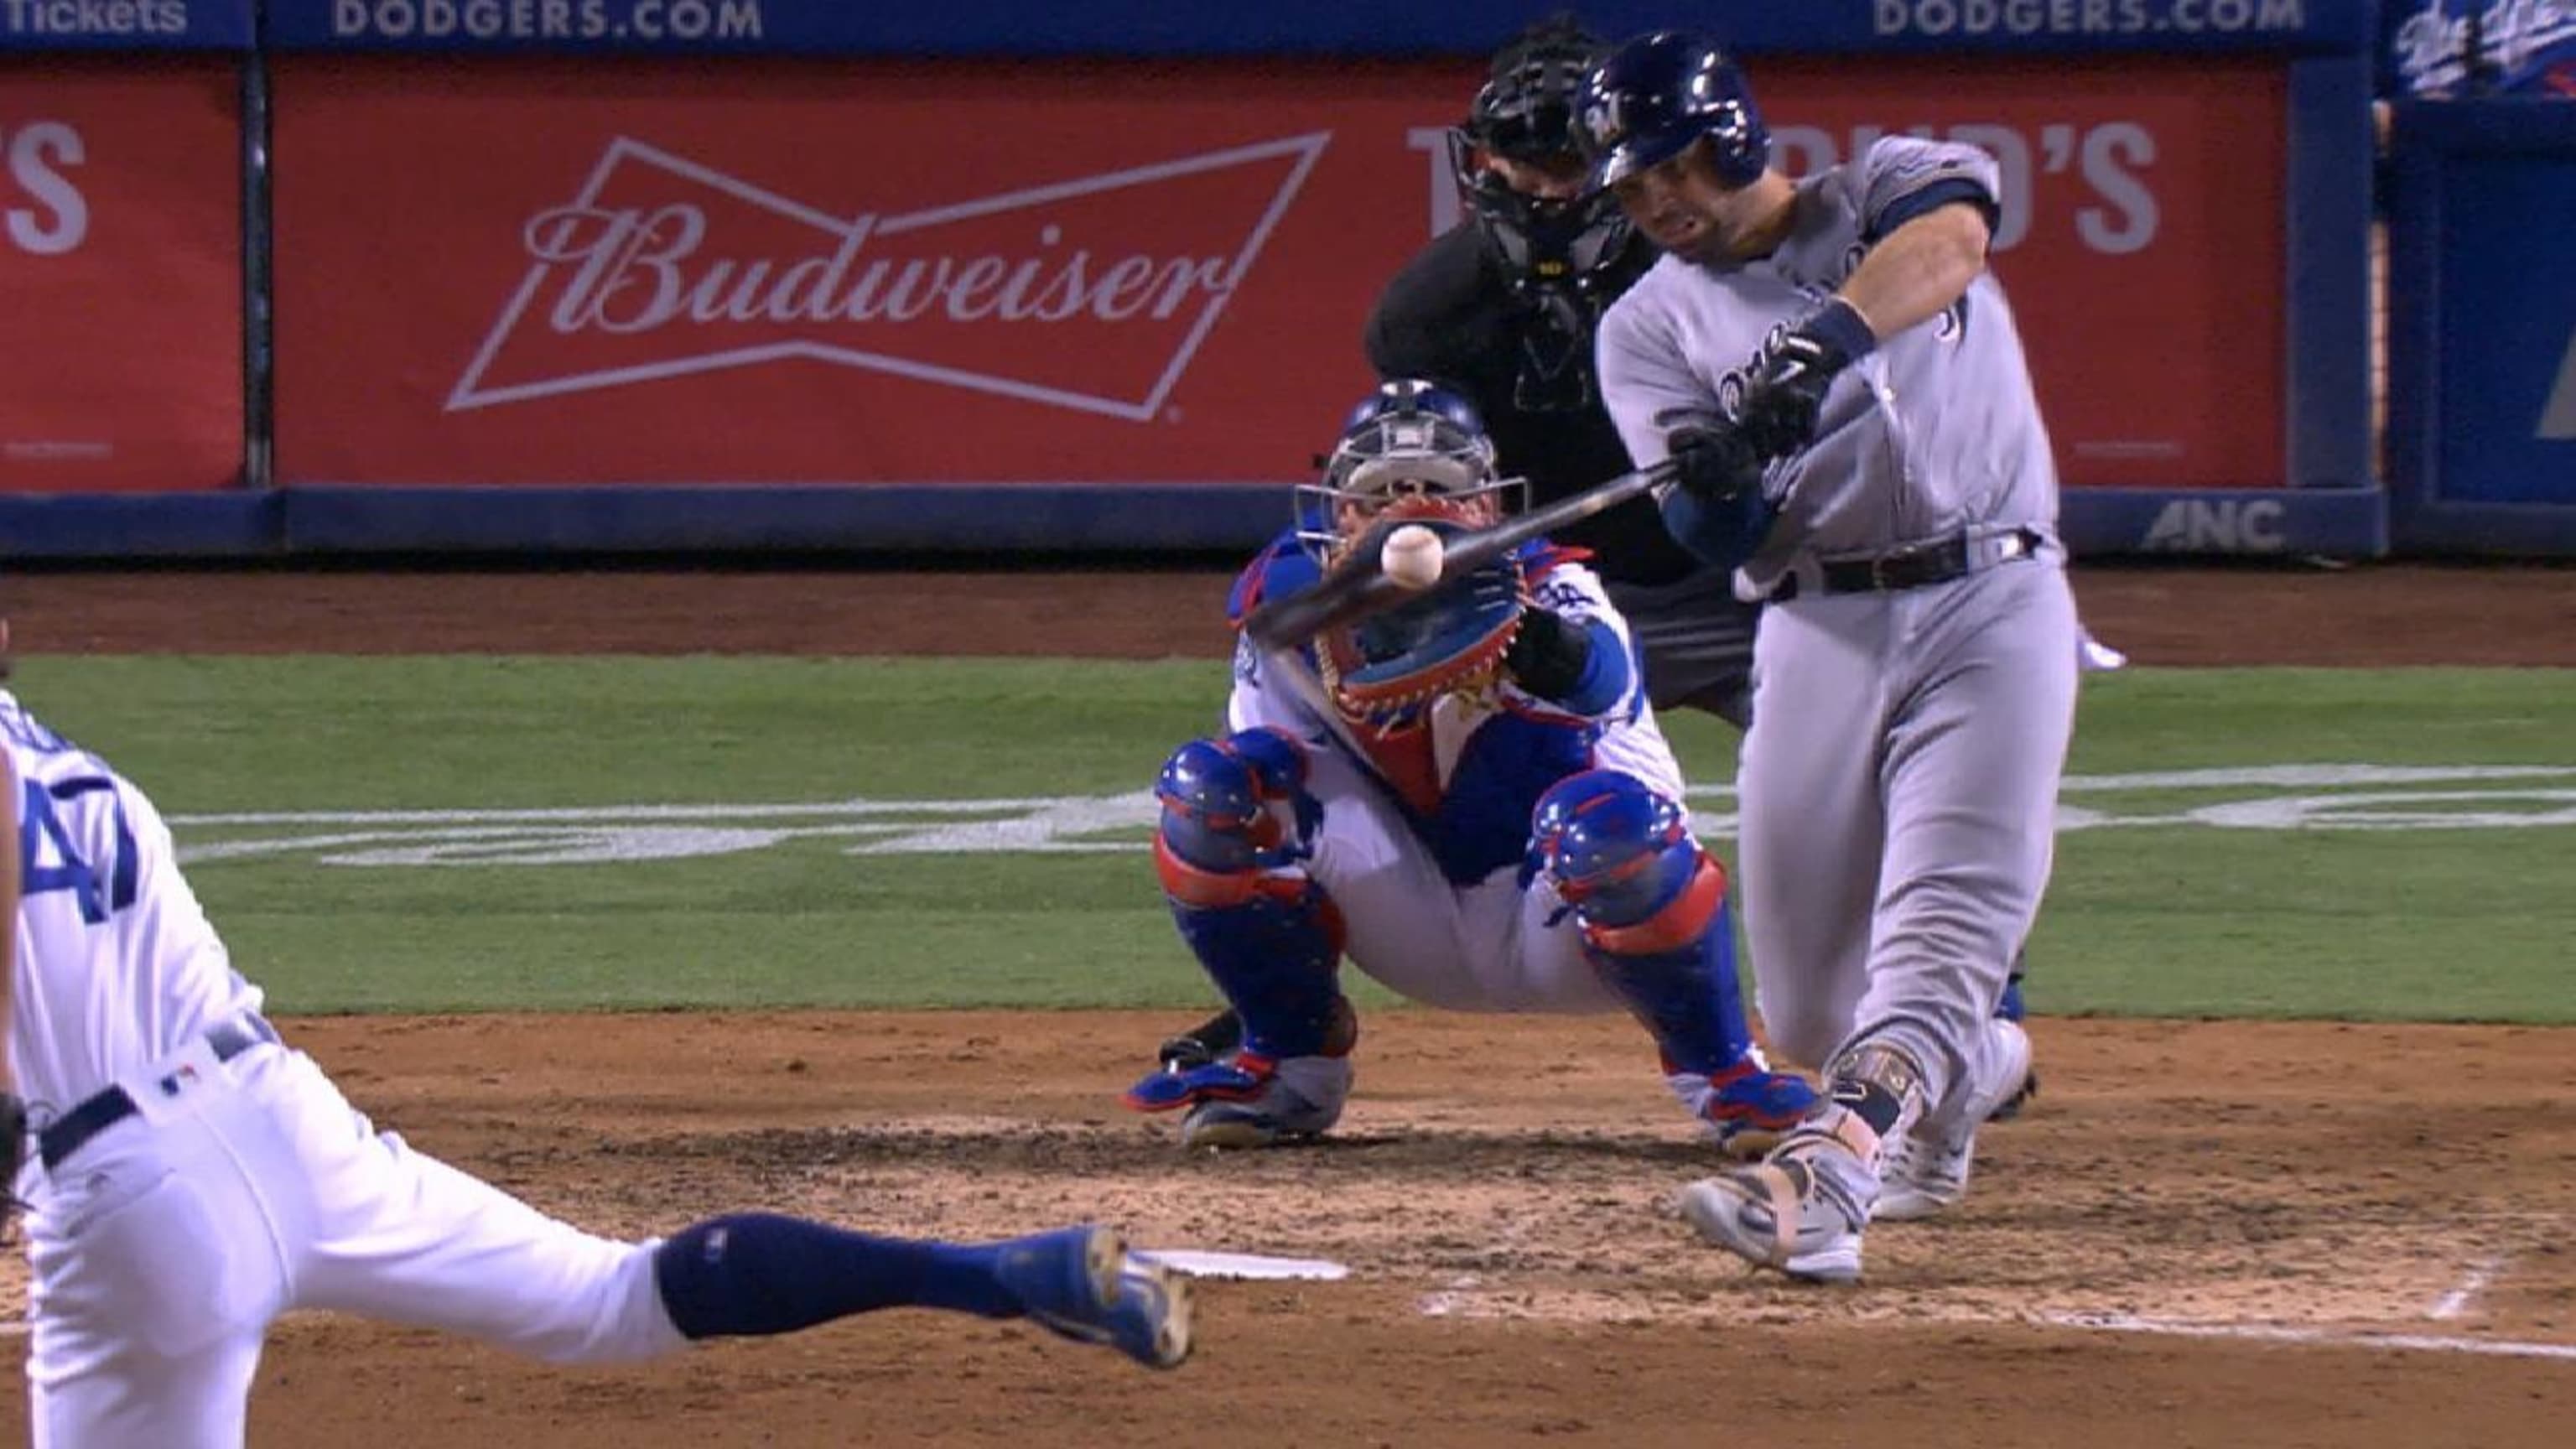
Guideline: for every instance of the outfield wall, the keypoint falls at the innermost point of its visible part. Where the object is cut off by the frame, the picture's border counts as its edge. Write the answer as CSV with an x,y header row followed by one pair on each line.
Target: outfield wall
x,y
569,275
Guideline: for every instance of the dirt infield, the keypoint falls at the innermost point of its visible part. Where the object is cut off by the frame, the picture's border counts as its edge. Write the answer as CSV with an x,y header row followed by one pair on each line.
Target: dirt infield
x,y
2204,1233
2255,614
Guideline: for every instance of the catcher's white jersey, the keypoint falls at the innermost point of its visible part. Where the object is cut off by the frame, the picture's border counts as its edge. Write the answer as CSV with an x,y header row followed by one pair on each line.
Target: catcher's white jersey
x,y
117,965
1470,771
1425,828
1680,344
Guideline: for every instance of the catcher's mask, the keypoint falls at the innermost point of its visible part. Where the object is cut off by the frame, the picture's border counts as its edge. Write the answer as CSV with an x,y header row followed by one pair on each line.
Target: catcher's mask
x,y
1525,112
1412,449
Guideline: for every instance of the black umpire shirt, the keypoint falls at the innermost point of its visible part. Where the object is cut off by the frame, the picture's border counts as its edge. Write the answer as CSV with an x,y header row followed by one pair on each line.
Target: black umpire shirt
x,y
1450,316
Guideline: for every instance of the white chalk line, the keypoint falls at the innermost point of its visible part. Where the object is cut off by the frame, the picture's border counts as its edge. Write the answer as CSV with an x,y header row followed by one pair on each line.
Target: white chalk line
x,y
2314,1337
2474,1282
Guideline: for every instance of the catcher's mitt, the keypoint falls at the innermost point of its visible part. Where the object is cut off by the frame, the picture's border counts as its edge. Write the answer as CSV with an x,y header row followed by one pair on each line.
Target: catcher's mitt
x,y
1384,668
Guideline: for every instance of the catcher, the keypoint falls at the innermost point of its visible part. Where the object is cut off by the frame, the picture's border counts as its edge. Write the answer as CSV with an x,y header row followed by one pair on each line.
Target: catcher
x,y
1469,795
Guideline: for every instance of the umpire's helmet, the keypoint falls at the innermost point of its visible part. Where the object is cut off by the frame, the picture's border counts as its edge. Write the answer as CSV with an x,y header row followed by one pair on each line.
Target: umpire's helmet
x,y
1659,93
1525,112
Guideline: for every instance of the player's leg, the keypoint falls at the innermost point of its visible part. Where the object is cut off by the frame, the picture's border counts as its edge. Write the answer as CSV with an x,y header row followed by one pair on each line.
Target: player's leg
x,y
154,1276
1811,832
1651,906
1973,779
1238,821
119,1393
1809,821
1974,750
393,1234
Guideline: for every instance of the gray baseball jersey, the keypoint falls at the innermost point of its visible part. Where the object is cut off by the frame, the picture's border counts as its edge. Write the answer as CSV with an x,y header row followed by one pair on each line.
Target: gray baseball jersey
x,y
1883,470
1899,782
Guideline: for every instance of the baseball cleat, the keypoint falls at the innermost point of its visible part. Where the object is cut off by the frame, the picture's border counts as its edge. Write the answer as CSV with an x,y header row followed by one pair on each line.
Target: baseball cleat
x,y
1927,1171
1081,1283
1206,1042
1779,1214
1176,1086
1298,1098
1747,1108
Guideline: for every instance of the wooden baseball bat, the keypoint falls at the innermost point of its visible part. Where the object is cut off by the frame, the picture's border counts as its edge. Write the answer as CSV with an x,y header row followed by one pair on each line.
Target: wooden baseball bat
x,y
1359,587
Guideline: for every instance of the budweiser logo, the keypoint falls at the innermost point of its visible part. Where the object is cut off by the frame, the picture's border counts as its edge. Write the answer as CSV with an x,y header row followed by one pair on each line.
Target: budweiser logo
x,y
1076,294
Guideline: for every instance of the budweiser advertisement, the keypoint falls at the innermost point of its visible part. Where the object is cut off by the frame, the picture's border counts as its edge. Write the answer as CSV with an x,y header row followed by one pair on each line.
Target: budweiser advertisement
x,y
539,273
120,276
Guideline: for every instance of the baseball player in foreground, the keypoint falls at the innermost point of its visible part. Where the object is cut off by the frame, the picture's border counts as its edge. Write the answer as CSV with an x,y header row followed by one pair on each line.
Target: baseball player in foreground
x,y
193,1177
1469,795
1841,380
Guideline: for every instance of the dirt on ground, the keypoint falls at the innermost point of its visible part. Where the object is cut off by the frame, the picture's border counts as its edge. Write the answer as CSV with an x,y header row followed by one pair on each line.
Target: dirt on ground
x,y
2359,616
2203,1233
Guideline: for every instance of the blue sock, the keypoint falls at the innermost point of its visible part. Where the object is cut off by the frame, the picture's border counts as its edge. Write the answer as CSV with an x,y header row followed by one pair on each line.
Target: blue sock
x,y
759,1273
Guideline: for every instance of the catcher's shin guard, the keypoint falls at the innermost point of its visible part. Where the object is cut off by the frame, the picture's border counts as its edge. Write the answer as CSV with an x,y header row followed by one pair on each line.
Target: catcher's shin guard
x,y
1652,906
1234,820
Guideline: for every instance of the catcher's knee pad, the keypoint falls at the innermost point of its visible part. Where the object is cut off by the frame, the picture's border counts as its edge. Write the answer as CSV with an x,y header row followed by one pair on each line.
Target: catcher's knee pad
x,y
1652,906
1622,855
1232,808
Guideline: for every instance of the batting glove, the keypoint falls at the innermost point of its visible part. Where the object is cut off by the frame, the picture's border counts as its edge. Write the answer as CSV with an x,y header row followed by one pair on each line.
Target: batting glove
x,y
1713,464
1779,411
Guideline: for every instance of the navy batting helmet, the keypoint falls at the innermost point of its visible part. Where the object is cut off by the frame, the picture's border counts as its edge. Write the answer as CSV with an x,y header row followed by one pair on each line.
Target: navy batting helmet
x,y
1659,93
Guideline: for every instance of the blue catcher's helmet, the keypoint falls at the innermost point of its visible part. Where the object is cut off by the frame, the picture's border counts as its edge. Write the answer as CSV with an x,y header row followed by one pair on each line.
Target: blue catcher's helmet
x,y
1659,93
1410,439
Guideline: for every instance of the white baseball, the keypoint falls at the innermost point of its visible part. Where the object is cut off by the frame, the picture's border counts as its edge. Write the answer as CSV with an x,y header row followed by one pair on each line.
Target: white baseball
x,y
1411,556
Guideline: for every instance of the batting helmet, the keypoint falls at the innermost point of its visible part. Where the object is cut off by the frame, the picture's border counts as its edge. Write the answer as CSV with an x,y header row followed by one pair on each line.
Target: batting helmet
x,y
1659,93
1525,112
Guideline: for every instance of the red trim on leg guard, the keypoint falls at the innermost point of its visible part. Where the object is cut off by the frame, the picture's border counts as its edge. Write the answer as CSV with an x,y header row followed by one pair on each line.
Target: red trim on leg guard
x,y
1677,924
1217,889
1205,889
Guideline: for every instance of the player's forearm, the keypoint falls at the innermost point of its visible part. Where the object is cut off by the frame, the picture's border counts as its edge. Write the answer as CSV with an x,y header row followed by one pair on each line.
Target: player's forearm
x,y
1579,665
1919,269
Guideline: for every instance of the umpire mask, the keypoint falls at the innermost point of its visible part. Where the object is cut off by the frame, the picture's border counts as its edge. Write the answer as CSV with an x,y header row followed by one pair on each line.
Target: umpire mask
x,y
1552,251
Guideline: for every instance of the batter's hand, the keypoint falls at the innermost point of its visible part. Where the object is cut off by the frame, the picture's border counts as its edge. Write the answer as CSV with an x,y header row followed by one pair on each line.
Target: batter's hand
x,y
1714,464
1779,411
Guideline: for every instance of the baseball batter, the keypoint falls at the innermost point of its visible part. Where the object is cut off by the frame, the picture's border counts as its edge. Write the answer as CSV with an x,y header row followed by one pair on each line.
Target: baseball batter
x,y
193,1177
1470,796
1842,381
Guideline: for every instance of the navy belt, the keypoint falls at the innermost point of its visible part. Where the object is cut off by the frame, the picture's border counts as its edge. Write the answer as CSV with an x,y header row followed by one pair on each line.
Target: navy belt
x,y
72,1131
1917,567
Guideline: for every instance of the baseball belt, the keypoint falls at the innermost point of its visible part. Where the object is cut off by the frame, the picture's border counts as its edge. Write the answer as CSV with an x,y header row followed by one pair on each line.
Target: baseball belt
x,y
1916,566
100,1111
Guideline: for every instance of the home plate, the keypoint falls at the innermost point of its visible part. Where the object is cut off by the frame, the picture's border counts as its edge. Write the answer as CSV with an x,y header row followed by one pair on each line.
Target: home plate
x,y
1199,1264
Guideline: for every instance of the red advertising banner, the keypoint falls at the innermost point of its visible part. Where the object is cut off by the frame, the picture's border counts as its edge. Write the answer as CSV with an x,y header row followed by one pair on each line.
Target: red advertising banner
x,y
120,275
761,272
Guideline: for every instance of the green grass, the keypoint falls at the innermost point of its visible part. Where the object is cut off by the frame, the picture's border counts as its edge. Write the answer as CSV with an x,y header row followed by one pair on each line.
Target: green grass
x,y
2181,917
